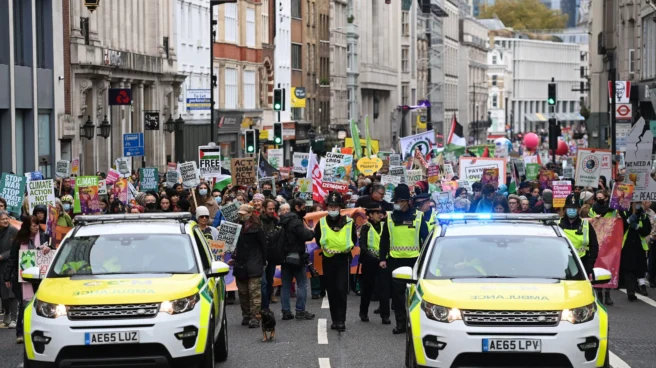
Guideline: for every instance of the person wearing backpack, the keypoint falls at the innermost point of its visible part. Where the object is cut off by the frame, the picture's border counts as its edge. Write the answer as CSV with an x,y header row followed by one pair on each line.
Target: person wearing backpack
x,y
270,225
294,234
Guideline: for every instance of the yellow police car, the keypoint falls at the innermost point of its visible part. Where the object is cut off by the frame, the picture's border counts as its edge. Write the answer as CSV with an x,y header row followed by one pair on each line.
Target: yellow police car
x,y
129,290
502,290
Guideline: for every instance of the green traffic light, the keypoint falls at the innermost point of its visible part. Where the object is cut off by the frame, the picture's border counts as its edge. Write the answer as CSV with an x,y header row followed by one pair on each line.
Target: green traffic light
x,y
276,106
250,148
278,140
551,101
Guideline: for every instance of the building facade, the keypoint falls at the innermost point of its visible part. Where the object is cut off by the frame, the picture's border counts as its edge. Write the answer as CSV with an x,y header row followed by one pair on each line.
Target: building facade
x,y
451,60
32,87
499,82
647,85
121,45
339,18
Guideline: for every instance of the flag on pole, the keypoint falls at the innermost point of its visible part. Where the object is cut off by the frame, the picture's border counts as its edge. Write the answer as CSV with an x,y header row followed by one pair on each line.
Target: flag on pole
x,y
315,171
264,168
366,132
355,134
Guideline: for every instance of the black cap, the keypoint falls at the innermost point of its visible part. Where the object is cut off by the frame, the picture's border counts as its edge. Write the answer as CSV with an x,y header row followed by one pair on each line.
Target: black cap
x,y
571,201
401,193
373,207
334,199
421,198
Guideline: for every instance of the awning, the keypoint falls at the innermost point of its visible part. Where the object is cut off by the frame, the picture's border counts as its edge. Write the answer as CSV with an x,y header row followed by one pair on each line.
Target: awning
x,y
537,117
541,117
569,116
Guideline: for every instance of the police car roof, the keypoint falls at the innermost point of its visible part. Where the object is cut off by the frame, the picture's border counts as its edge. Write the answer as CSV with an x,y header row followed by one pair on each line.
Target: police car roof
x,y
163,227
476,228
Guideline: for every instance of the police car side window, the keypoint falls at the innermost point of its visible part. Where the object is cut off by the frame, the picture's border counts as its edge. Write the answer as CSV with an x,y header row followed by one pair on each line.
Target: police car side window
x,y
424,251
200,243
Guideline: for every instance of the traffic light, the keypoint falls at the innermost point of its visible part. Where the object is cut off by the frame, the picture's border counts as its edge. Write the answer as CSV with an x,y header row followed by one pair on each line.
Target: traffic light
x,y
249,141
551,99
279,99
554,133
277,133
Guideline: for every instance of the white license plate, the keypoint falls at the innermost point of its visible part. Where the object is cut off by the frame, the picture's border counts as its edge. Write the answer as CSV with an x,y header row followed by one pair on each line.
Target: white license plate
x,y
516,345
122,337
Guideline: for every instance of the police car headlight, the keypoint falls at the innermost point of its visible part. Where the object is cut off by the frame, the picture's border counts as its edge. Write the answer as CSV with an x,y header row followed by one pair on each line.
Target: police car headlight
x,y
179,305
49,310
579,315
440,313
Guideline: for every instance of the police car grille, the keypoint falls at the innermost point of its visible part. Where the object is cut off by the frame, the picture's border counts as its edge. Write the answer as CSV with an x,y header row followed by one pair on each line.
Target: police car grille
x,y
112,311
510,318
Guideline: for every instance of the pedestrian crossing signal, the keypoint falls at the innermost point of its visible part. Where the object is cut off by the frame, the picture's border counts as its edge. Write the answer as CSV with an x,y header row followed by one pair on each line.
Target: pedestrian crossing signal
x,y
277,133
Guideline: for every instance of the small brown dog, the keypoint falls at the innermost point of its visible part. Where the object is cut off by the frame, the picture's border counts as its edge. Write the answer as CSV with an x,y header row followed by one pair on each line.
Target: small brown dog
x,y
268,324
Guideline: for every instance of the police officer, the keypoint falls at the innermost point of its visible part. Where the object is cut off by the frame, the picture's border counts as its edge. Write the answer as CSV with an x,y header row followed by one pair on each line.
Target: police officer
x,y
633,262
372,234
582,236
407,231
423,203
336,234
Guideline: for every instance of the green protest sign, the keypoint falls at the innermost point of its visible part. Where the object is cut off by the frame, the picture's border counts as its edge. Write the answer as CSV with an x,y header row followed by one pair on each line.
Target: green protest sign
x,y
148,179
532,171
12,189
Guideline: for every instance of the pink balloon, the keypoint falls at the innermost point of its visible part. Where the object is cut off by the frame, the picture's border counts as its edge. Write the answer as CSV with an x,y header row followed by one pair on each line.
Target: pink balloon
x,y
562,148
531,141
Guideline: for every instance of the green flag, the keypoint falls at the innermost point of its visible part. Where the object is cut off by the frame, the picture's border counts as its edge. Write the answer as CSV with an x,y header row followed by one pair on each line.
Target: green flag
x,y
355,134
366,132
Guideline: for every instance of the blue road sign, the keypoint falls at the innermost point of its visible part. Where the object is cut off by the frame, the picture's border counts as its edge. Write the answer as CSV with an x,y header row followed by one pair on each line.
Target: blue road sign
x,y
133,144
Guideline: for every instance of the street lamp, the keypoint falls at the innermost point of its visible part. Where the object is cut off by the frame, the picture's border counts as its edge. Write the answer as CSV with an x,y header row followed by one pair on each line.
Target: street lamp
x,y
179,123
88,129
169,126
105,128
92,4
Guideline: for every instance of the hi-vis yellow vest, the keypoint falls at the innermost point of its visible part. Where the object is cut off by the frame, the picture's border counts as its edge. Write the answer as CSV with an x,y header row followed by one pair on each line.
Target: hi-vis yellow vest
x,y
336,242
643,240
432,220
609,214
580,242
404,240
373,239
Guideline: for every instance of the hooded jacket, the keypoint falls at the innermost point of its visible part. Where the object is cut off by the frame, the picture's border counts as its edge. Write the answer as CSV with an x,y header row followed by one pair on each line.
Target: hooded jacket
x,y
251,248
295,232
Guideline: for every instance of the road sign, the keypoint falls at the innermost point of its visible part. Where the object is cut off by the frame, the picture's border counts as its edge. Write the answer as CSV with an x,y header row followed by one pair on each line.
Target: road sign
x,y
120,96
133,144
623,112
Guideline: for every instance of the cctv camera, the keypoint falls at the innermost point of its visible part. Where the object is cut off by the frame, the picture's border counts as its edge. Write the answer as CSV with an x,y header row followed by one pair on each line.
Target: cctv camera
x,y
61,78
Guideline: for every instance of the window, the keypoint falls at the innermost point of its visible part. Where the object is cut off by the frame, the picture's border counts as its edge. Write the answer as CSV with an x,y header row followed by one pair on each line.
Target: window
x,y
231,24
405,94
265,21
582,72
249,89
20,142
84,29
44,135
494,80
41,26
405,59
297,113
297,55
495,101
230,89
165,44
631,61
405,23
296,8
494,60
648,48
250,27
19,33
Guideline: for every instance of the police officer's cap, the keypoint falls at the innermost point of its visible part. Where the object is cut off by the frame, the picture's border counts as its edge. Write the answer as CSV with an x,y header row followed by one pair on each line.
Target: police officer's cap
x,y
401,193
334,199
571,201
373,207
421,198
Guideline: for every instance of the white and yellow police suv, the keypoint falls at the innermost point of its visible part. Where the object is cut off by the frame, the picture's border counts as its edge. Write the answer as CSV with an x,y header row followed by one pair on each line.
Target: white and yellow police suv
x,y
502,290
129,290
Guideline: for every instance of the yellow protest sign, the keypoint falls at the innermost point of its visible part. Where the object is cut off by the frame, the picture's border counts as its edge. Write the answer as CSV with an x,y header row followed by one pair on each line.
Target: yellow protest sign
x,y
368,166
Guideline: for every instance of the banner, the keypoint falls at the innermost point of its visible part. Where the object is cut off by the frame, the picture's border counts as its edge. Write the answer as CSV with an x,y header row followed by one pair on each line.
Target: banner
x,y
471,168
63,169
40,192
638,161
588,168
561,189
120,190
275,157
12,189
86,195
337,171
610,232
422,141
189,173
300,162
228,235
243,171
209,161
148,179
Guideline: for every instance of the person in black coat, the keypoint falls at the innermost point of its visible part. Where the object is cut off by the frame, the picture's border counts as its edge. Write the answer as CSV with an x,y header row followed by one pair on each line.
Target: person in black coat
x,y
633,262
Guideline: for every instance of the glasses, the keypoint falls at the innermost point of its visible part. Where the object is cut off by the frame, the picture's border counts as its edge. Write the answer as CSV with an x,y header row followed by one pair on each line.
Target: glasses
x,y
201,217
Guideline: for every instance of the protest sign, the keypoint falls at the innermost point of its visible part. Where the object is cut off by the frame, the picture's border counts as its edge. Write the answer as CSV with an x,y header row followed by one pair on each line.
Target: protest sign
x,y
189,173
368,166
532,171
276,158
51,223
63,169
443,202
638,161
501,151
172,178
102,187
448,171
471,168
621,196
531,160
609,236
209,161
520,166
422,141
12,189
75,166
395,159
86,195
546,179
389,182
40,192
120,190
230,211
243,171
28,258
148,179
300,162
561,189
449,186
337,171
112,176
433,173
465,184
399,171
124,166
228,235
490,176
588,168
285,172
413,176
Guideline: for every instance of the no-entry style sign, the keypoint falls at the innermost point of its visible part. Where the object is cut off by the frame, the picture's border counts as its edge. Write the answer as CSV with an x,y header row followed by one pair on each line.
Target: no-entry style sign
x,y
623,112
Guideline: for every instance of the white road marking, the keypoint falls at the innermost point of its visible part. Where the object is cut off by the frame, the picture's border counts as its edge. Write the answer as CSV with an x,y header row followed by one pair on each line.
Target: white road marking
x,y
322,332
616,362
324,363
643,298
324,303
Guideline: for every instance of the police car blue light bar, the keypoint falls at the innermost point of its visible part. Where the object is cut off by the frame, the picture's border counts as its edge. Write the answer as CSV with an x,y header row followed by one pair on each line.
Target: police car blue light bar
x,y
497,216
178,216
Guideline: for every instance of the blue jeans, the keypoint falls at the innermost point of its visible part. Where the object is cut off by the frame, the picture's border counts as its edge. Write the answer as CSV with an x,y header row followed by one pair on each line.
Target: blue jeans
x,y
267,284
287,274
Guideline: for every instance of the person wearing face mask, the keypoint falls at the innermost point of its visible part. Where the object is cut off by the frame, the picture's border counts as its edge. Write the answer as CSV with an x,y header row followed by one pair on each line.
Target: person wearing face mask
x,y
407,231
267,191
582,236
336,234
546,205
150,202
633,262
204,198
67,205
63,218
601,208
372,234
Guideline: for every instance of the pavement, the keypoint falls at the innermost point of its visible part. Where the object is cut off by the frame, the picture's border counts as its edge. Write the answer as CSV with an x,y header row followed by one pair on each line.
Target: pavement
x,y
363,345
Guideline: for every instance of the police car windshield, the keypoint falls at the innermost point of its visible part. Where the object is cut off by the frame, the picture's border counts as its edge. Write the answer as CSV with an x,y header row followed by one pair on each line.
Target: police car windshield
x,y
125,254
496,256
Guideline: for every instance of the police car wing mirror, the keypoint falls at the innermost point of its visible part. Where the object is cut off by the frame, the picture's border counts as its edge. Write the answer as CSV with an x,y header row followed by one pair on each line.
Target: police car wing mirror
x,y
219,269
32,274
404,274
600,276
